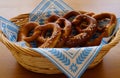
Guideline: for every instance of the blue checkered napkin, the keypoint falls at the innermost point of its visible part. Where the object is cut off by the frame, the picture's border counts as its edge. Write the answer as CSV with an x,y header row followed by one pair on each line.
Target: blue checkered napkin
x,y
48,7
9,29
71,61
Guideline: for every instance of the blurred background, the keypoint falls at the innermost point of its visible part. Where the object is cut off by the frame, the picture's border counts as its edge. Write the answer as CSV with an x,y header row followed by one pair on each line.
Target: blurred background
x,y
10,8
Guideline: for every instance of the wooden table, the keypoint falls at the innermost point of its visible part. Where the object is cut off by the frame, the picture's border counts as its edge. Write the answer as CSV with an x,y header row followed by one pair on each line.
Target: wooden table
x,y
9,68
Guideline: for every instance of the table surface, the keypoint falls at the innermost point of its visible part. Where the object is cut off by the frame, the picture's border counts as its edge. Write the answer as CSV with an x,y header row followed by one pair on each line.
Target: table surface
x,y
110,66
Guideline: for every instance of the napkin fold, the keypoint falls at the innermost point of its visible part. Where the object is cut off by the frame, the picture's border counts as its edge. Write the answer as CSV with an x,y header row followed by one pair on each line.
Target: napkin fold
x,y
71,61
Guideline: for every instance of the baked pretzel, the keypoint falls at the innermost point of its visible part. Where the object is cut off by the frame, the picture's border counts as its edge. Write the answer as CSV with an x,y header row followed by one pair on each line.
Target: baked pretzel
x,y
49,42
81,39
70,15
52,18
110,18
25,31
96,41
73,14
66,30
105,25
65,26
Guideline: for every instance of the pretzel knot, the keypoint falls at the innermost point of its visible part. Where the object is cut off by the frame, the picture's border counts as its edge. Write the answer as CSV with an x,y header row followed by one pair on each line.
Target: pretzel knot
x,y
38,35
66,30
65,26
106,23
81,38
26,30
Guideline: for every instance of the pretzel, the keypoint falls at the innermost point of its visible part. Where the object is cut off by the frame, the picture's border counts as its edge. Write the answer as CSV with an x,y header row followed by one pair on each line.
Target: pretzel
x,y
104,30
81,39
71,14
96,41
25,30
64,24
52,18
68,15
51,41
112,22
66,30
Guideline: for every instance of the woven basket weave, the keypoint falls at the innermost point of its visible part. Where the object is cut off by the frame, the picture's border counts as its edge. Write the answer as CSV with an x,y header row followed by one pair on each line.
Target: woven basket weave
x,y
35,62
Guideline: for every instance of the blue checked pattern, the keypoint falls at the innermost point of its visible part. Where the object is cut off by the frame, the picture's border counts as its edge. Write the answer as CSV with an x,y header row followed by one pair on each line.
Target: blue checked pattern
x,y
9,29
73,66
71,61
48,7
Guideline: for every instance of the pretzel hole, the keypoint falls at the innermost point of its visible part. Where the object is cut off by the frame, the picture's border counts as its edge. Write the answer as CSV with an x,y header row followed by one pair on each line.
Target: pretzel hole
x,y
74,31
103,22
48,33
101,27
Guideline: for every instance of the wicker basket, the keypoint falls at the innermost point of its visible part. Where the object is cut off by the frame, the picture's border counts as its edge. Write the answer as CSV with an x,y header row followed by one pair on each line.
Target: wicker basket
x,y
35,62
